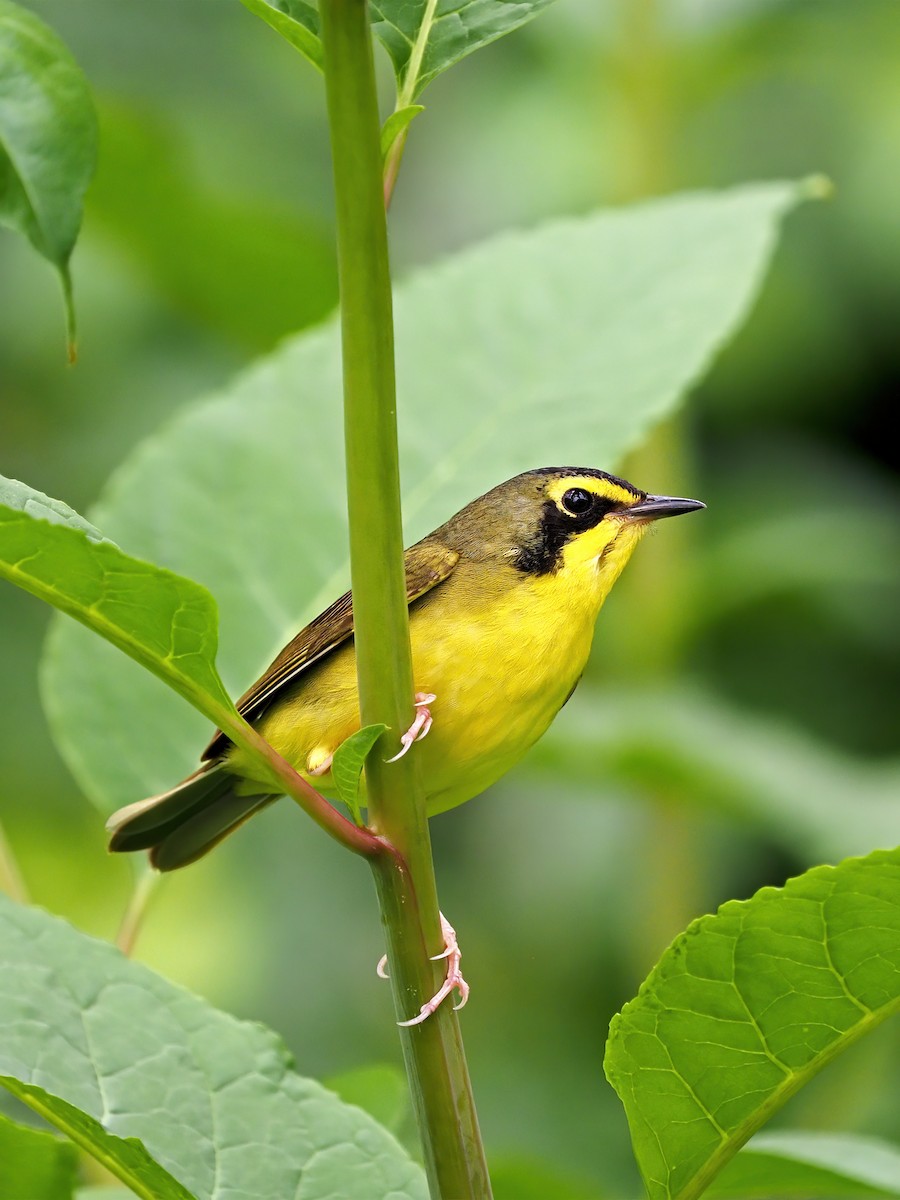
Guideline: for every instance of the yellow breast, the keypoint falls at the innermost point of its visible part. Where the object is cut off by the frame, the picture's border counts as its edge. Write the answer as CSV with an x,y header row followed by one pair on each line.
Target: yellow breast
x,y
500,650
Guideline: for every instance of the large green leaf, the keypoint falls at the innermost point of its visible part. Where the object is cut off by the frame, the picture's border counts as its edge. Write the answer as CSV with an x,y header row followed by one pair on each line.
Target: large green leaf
x,y
564,344
745,1007
163,1088
795,1164
161,620
48,139
35,1165
425,37
422,37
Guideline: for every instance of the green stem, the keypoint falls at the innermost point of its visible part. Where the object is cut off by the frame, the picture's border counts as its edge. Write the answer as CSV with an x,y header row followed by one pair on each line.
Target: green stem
x,y
433,1052
406,96
11,881
133,920
286,779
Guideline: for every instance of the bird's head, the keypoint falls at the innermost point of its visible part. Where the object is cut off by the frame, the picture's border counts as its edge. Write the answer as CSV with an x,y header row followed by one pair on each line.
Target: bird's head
x,y
561,519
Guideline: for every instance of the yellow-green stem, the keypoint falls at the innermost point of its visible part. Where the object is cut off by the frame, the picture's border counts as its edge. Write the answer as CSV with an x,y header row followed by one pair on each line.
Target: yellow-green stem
x,y
433,1053
145,883
11,881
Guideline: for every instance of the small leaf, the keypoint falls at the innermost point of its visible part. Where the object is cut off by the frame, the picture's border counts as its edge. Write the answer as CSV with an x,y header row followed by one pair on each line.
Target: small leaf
x,y
396,123
48,141
425,37
810,1164
177,1099
745,1007
349,760
35,1165
165,622
296,20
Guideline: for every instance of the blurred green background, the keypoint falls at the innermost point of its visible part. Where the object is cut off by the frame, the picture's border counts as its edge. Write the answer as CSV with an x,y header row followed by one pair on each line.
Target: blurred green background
x,y
756,652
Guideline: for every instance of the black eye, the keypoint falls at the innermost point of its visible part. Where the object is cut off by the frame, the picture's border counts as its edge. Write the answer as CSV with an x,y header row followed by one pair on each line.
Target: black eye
x,y
577,501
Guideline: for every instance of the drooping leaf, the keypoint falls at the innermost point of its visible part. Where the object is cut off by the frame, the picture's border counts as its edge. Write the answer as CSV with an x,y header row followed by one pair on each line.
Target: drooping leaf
x,y
349,760
797,1164
35,1165
425,37
164,622
296,20
561,345
176,1098
745,1007
48,140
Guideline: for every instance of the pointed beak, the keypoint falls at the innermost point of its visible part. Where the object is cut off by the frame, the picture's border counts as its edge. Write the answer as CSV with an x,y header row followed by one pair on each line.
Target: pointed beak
x,y
655,507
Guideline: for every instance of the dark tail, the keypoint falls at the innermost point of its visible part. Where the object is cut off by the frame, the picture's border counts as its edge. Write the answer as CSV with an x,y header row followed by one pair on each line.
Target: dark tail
x,y
182,825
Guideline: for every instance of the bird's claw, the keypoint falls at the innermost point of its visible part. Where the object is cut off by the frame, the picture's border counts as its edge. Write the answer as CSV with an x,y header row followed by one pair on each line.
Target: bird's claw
x,y
452,981
420,726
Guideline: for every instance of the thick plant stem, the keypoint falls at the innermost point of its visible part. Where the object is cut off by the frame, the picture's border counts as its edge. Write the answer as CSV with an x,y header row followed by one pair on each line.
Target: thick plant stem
x,y
439,1082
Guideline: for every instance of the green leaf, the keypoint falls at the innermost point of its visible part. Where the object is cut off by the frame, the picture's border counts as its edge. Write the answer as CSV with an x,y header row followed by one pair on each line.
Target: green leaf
x,y
745,1007
213,1102
296,20
565,344
396,123
425,37
349,760
164,622
35,1165
127,1159
48,141
794,1164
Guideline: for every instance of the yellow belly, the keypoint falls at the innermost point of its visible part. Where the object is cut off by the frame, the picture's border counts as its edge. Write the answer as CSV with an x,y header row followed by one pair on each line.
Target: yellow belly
x,y
501,668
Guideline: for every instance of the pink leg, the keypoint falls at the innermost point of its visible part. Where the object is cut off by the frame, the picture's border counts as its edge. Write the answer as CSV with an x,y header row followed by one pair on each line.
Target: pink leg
x,y
420,726
453,979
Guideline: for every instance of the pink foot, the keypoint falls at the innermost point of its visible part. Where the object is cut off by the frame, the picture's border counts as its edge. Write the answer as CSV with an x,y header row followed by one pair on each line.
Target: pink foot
x,y
453,979
420,726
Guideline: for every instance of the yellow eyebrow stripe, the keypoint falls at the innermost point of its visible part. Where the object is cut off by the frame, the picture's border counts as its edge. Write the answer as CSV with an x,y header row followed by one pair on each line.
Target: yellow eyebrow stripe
x,y
590,483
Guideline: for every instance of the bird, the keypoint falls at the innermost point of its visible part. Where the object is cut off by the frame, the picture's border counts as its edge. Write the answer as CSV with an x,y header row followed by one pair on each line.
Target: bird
x,y
503,599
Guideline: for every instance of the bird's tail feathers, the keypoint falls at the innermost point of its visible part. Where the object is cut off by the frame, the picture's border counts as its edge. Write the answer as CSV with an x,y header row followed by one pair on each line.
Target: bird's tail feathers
x,y
183,824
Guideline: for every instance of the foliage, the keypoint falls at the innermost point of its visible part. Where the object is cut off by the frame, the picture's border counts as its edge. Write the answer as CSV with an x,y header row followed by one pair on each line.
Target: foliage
x,y
620,344
745,1007
35,1164
161,1088
47,140
655,797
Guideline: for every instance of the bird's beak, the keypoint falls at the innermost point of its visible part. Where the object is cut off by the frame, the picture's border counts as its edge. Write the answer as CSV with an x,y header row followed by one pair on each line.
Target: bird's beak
x,y
655,507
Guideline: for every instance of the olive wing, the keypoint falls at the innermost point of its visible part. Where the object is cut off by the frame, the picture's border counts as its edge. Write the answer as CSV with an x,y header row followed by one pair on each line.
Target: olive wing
x,y
428,563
